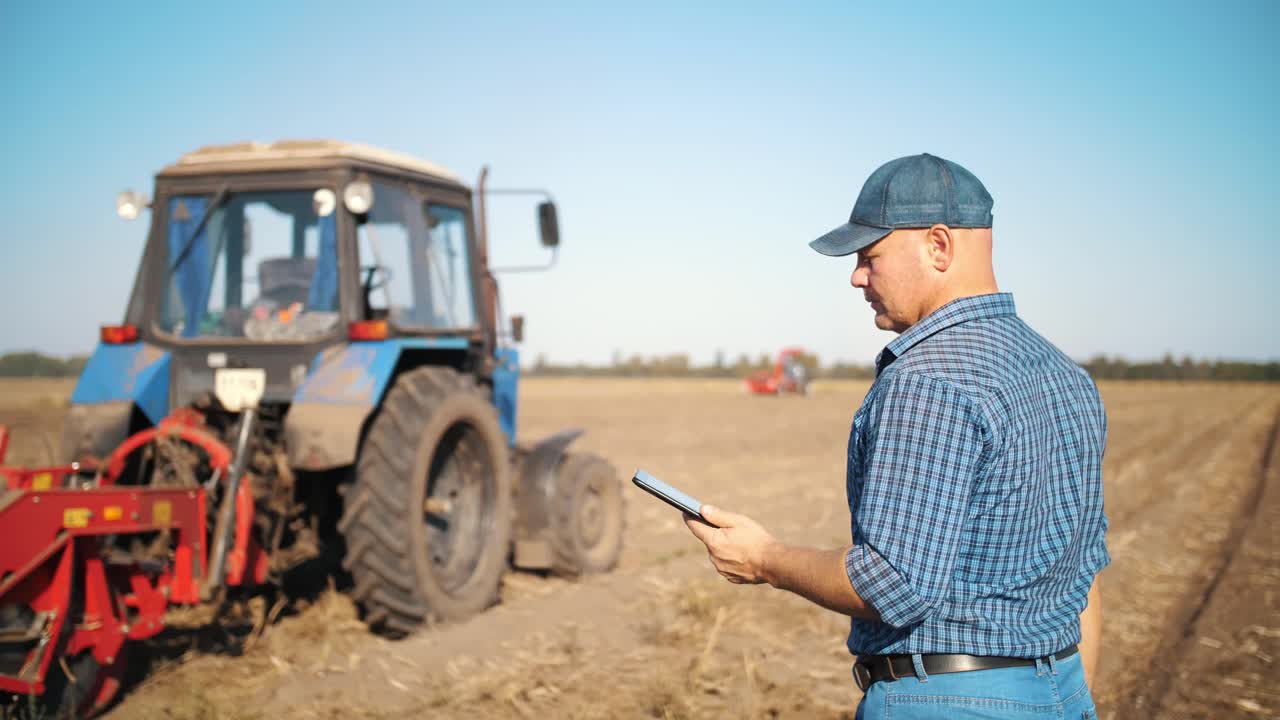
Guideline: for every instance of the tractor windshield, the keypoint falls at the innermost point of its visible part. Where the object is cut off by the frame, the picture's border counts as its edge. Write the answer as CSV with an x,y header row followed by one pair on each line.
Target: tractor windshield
x,y
263,266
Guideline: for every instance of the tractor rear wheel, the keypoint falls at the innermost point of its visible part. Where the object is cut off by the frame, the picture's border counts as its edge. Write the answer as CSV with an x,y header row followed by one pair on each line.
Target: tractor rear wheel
x,y
428,521
587,516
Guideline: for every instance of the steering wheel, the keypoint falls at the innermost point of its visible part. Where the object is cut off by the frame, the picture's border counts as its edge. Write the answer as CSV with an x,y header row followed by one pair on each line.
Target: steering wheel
x,y
376,277
382,272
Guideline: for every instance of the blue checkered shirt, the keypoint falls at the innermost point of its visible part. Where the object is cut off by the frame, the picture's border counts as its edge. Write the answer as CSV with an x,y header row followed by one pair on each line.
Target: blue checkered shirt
x,y
975,489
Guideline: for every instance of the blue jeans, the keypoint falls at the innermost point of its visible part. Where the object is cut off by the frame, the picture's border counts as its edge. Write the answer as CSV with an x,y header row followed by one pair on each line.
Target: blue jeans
x,y
1046,690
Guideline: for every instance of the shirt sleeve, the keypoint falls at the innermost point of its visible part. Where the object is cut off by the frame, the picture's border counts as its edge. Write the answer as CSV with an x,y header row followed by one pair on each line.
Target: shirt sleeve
x,y
1097,556
923,450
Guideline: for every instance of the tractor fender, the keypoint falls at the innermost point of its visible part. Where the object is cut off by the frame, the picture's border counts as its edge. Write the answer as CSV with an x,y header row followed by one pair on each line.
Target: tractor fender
x,y
343,386
537,475
93,430
323,436
115,379
134,372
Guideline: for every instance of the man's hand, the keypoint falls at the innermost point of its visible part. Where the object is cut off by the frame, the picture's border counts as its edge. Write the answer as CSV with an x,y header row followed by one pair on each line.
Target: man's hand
x,y
738,547
745,553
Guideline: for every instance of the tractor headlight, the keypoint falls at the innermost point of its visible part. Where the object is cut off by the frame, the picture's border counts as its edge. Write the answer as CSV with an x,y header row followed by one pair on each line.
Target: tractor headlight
x,y
129,204
358,197
324,201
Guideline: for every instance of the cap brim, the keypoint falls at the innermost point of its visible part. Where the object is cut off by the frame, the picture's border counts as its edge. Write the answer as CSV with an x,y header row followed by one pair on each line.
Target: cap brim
x,y
848,239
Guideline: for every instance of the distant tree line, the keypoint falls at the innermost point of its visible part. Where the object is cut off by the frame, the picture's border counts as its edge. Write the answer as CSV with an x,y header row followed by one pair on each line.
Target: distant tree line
x,y
1102,367
679,365
1116,368
34,364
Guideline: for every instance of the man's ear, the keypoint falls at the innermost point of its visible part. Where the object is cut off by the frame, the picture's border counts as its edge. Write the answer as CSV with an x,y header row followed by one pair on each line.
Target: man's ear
x,y
940,244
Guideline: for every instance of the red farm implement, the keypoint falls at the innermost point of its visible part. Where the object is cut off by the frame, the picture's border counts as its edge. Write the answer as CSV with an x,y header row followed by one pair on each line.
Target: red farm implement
x,y
87,566
788,376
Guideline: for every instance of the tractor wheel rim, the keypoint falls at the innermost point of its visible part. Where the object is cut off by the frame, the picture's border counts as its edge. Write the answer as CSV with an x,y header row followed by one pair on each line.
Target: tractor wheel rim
x,y
457,510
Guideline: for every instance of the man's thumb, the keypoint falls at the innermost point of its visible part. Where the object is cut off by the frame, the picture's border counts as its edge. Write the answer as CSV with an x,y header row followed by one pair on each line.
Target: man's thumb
x,y
715,515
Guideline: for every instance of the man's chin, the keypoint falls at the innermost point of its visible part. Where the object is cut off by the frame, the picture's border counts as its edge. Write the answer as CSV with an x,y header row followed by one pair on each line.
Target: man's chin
x,y
884,322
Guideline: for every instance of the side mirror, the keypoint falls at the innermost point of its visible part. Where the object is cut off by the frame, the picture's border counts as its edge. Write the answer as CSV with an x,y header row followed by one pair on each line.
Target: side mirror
x,y
517,328
548,226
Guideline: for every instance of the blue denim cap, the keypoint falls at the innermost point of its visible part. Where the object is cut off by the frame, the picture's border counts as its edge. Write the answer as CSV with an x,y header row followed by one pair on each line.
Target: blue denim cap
x,y
917,191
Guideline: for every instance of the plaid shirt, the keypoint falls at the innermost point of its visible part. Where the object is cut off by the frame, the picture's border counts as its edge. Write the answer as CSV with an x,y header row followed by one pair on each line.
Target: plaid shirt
x,y
975,489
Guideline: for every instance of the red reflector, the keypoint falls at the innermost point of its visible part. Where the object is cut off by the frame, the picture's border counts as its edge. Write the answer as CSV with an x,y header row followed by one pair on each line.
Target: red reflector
x,y
119,334
367,330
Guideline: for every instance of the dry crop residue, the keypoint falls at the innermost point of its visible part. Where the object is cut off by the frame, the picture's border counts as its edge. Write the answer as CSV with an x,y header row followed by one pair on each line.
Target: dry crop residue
x,y
663,637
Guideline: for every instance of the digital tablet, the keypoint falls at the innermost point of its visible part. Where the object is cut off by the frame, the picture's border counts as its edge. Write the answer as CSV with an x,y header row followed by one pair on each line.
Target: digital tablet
x,y
675,498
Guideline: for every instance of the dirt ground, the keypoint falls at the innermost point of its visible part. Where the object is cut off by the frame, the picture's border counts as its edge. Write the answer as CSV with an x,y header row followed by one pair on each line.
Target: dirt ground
x,y
1191,599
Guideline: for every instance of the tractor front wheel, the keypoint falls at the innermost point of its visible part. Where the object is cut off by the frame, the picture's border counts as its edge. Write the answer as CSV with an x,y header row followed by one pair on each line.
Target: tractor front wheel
x,y
428,521
588,516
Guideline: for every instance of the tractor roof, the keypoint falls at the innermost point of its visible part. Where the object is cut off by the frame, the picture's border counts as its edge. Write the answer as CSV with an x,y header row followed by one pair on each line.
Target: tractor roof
x,y
299,154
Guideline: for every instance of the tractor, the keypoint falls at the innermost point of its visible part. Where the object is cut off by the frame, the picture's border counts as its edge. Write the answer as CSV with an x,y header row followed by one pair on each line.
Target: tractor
x,y
313,347
788,376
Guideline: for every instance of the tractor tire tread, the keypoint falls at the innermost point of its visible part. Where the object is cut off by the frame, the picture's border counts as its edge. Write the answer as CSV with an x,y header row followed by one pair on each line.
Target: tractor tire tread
x,y
356,550
389,540
376,615
374,453
401,608
398,627
387,572
354,505
362,589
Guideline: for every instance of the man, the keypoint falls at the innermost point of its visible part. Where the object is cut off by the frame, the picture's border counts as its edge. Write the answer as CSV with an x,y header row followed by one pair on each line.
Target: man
x,y
974,477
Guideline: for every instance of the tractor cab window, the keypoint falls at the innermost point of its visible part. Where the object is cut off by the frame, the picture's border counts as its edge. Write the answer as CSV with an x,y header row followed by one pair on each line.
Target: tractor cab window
x,y
415,264
262,266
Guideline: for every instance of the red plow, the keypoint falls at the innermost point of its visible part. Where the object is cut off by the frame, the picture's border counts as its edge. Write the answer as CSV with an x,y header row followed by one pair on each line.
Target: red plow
x,y
88,566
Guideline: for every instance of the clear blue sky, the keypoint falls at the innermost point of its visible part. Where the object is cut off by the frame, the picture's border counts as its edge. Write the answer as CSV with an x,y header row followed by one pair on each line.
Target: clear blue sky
x,y
1131,149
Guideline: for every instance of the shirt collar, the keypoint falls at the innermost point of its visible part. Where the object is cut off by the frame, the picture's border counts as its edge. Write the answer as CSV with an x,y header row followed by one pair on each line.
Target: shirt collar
x,y
960,310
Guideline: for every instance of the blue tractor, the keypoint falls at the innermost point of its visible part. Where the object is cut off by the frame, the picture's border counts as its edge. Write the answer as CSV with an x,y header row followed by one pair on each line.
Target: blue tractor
x,y
328,310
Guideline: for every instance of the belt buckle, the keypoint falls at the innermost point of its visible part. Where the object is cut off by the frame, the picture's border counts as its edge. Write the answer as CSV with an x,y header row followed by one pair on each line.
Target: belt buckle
x,y
861,676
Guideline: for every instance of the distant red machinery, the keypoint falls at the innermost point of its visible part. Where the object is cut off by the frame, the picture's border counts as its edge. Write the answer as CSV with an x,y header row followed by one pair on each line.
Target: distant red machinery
x,y
789,375
87,565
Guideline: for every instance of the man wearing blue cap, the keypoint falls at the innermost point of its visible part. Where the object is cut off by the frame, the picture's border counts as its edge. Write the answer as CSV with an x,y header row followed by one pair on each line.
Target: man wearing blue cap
x,y
974,477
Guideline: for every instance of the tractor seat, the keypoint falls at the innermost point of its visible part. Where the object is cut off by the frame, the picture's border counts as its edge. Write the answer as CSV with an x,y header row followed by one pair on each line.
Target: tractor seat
x,y
285,280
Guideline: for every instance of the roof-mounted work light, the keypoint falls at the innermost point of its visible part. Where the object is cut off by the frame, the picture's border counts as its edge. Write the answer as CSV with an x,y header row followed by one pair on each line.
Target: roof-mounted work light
x,y
358,197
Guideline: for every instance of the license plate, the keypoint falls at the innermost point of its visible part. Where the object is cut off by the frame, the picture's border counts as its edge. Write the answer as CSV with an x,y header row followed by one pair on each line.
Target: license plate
x,y
239,388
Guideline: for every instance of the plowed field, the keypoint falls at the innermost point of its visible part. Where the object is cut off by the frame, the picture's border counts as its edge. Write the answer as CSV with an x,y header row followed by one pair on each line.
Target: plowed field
x,y
1192,598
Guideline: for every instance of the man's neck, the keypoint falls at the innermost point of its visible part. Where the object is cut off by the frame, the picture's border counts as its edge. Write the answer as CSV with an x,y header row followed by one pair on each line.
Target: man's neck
x,y
955,293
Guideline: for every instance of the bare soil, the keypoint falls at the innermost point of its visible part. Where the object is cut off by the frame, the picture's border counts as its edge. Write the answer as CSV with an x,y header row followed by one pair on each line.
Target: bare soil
x,y
1223,665
1191,625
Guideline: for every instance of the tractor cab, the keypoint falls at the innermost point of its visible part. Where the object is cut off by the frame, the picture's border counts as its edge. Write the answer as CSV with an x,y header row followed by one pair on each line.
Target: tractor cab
x,y
285,259
250,257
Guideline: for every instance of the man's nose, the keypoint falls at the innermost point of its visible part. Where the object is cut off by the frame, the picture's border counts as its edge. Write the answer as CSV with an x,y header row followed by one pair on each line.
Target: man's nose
x,y
859,277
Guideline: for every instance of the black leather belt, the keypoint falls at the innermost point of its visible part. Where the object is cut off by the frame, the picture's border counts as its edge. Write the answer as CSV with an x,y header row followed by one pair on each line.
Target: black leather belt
x,y
874,668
